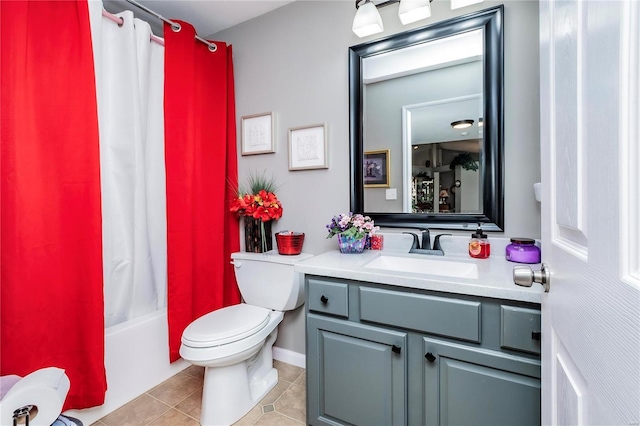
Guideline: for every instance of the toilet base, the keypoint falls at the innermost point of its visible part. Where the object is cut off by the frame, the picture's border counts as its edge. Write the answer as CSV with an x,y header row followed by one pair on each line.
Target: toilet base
x,y
231,391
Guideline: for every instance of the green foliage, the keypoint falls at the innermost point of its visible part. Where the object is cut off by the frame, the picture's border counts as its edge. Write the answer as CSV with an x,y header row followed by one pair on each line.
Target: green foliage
x,y
464,160
256,182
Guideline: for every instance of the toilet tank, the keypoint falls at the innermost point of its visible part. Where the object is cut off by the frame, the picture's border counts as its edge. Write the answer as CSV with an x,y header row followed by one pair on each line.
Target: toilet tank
x,y
268,279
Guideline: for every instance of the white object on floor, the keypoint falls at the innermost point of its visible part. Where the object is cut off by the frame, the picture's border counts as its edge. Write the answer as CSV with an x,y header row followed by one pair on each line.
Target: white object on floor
x,y
235,343
45,389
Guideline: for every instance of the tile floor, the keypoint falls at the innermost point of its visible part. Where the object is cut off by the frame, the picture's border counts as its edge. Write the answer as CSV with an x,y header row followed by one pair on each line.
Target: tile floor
x,y
176,402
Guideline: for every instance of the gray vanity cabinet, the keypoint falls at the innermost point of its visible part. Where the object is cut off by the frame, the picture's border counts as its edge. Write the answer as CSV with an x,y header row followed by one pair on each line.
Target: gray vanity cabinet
x,y
383,355
359,373
469,386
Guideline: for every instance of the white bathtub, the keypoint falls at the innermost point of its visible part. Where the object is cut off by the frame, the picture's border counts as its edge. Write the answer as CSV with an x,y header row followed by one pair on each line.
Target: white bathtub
x,y
136,360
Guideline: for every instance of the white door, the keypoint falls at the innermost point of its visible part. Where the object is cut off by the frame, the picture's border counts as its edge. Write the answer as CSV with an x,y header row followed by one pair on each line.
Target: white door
x,y
590,211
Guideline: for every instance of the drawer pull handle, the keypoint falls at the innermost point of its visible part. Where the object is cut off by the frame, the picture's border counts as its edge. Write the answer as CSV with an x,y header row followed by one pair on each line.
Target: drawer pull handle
x,y
396,349
430,357
324,299
535,335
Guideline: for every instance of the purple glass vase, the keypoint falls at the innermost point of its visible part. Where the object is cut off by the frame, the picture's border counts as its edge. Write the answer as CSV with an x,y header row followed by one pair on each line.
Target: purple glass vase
x,y
350,244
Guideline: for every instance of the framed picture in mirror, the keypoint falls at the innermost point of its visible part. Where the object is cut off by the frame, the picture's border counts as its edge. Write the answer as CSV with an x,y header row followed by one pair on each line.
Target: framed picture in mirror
x,y
376,169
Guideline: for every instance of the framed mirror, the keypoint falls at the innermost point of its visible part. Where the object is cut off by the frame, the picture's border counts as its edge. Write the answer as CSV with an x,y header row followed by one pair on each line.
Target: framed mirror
x,y
432,98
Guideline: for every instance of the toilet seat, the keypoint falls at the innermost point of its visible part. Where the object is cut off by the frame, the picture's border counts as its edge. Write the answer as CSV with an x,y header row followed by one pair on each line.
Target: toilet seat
x,y
226,325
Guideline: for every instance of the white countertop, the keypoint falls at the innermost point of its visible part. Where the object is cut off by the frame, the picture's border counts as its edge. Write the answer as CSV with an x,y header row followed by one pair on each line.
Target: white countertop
x,y
495,274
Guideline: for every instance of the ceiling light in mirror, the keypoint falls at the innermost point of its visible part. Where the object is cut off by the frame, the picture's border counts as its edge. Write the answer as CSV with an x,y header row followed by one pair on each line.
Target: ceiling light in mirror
x,y
414,10
367,20
462,124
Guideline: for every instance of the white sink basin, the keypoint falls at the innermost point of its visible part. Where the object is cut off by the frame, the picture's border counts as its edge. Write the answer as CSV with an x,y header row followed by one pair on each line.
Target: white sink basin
x,y
424,266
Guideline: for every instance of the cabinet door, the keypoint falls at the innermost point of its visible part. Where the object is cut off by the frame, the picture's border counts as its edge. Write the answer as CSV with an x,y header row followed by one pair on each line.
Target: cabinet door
x,y
474,386
356,374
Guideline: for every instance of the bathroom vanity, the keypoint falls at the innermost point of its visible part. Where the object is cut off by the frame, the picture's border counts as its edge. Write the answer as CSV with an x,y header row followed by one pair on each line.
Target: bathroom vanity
x,y
388,344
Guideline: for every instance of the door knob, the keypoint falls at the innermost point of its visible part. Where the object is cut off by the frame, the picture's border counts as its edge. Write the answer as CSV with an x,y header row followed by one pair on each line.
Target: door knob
x,y
525,276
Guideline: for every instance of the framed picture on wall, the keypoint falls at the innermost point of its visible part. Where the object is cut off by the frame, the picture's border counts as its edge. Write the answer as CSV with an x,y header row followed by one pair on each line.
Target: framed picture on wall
x,y
308,147
258,134
376,169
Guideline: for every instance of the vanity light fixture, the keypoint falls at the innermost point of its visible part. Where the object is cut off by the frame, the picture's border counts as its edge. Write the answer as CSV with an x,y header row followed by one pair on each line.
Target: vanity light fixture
x,y
368,21
462,124
414,10
457,4
480,122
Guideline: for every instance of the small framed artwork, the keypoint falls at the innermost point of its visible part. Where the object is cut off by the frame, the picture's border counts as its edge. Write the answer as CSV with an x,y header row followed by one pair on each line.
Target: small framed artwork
x,y
308,147
257,134
376,169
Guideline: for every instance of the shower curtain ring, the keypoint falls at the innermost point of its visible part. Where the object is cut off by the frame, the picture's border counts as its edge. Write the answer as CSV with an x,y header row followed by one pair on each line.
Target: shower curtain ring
x,y
176,27
212,47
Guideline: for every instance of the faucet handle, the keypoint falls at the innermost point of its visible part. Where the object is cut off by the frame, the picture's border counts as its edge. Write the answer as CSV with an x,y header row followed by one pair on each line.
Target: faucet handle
x,y
426,239
416,242
436,242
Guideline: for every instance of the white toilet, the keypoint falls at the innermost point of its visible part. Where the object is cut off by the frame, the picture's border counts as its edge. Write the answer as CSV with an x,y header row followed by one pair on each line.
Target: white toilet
x,y
235,343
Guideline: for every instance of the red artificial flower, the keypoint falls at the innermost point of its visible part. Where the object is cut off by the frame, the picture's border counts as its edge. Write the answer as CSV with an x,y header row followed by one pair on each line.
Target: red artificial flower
x,y
264,206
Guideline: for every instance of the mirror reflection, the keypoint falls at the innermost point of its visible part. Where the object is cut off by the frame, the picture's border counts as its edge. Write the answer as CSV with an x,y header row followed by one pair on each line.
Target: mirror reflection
x,y
445,167
426,135
424,104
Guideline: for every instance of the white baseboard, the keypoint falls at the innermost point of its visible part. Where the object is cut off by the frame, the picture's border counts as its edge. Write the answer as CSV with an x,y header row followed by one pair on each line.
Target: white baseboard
x,y
289,357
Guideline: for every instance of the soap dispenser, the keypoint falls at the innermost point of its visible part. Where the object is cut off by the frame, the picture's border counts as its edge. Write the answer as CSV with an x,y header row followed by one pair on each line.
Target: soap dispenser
x,y
479,246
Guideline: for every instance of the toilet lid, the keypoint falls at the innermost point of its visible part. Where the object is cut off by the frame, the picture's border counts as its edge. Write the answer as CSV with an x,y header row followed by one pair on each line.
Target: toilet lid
x,y
225,325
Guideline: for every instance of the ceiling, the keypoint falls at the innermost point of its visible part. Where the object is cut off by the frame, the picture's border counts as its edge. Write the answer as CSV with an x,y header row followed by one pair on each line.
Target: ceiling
x,y
431,122
207,16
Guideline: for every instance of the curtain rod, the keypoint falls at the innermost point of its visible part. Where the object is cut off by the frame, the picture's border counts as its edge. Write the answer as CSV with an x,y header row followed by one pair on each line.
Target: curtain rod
x,y
174,25
120,21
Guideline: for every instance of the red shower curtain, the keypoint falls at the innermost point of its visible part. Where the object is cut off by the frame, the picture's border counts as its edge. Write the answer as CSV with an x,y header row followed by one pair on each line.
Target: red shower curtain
x,y
200,149
51,260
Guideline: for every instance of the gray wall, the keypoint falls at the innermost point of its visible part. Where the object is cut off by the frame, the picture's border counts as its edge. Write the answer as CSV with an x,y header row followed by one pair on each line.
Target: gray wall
x,y
294,62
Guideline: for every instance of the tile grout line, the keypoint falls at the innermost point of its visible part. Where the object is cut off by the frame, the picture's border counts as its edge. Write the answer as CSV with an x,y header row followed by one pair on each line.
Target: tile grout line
x,y
278,398
162,414
290,418
274,403
174,407
187,414
130,402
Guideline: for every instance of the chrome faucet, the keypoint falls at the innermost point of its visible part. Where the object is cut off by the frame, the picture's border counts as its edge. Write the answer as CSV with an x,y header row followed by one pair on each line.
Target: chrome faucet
x,y
425,246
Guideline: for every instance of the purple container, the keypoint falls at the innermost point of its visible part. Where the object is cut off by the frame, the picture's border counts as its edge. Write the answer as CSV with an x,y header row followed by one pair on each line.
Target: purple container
x,y
523,250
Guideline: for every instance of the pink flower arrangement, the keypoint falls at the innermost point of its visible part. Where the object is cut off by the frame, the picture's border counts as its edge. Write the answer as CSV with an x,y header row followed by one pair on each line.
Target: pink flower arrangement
x,y
351,225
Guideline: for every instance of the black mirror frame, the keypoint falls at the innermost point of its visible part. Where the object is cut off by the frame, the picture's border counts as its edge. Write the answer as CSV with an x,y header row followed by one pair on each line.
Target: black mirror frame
x,y
492,218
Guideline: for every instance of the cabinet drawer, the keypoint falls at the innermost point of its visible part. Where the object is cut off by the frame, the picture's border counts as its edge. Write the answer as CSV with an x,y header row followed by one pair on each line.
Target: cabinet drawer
x,y
328,298
520,329
449,317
